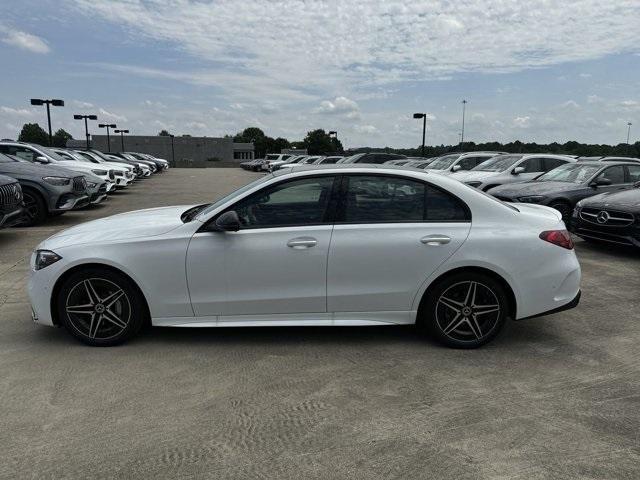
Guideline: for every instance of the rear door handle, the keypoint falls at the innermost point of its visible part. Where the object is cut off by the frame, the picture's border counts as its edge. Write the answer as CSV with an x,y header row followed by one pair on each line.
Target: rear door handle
x,y
435,240
302,242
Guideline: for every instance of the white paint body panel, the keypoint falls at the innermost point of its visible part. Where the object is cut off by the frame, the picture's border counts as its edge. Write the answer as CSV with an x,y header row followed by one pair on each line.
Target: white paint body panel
x,y
354,275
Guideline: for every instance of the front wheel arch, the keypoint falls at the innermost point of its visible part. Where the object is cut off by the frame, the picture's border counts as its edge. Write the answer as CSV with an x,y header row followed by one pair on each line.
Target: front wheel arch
x,y
60,281
513,306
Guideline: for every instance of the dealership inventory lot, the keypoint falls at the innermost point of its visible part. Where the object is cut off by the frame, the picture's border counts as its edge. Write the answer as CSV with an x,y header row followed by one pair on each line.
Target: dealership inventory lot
x,y
554,397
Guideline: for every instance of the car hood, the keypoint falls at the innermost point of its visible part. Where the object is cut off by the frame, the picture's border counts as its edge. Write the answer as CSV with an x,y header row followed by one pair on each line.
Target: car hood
x,y
469,176
125,226
534,188
628,200
24,168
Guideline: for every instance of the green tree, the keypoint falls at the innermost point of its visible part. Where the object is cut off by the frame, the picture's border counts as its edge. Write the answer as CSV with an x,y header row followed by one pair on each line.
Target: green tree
x,y
60,138
318,142
33,133
163,133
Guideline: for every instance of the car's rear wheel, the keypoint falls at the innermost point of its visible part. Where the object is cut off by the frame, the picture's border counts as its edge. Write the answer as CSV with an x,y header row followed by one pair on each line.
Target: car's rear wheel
x,y
35,207
100,307
465,310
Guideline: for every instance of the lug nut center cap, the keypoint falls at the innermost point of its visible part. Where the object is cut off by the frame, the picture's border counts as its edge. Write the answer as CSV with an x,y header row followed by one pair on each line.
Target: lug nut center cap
x,y
99,308
466,311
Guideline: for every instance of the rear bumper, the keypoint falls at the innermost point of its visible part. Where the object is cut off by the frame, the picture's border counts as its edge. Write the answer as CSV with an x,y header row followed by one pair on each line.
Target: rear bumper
x,y
572,304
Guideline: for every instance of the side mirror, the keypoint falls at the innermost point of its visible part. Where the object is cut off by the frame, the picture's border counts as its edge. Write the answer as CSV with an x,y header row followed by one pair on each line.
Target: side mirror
x,y
41,159
455,168
227,222
601,182
517,170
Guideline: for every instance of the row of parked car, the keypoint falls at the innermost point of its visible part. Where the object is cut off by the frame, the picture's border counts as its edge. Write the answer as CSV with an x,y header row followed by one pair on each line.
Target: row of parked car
x,y
37,182
598,197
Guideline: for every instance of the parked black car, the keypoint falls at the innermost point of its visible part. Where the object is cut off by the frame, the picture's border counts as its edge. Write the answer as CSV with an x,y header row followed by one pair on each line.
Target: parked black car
x,y
372,157
610,217
152,165
11,206
46,190
564,186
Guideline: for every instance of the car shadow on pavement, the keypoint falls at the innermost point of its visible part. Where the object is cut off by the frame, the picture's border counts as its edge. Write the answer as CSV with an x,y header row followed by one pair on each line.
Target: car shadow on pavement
x,y
620,251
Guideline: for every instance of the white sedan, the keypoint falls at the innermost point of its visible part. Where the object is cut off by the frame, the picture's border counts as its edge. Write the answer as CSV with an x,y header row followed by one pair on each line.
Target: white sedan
x,y
334,245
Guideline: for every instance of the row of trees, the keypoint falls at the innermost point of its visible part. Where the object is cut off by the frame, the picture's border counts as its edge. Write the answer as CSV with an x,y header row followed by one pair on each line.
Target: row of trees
x,y
34,133
318,142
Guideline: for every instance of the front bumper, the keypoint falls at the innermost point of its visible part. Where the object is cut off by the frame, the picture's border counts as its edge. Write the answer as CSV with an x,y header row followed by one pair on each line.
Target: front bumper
x,y
618,235
71,201
12,217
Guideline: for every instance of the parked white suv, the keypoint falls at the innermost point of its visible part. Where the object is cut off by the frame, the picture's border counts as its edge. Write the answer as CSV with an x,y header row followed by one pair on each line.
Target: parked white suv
x,y
122,175
272,160
510,168
456,162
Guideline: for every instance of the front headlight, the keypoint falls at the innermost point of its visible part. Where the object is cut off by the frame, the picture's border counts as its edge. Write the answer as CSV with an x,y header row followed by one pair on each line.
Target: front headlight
x,y
531,199
57,181
44,258
100,172
92,184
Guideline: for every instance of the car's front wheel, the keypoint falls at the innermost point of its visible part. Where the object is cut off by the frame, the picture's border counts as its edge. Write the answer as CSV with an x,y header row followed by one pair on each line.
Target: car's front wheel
x,y
465,310
100,307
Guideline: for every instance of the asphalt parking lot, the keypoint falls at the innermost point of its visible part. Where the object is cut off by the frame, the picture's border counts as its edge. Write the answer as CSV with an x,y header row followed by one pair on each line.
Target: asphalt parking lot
x,y
555,397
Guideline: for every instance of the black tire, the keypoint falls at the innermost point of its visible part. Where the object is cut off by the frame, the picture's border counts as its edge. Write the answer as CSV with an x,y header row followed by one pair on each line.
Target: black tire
x,y
35,207
564,208
450,312
110,310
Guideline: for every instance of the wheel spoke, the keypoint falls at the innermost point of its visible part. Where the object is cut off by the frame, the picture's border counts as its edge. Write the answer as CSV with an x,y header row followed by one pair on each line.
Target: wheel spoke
x,y
91,292
81,309
455,323
452,304
113,298
474,326
96,320
482,309
471,294
113,318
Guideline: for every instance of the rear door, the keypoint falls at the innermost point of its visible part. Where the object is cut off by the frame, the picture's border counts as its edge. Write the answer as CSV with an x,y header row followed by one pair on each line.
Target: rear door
x,y
391,233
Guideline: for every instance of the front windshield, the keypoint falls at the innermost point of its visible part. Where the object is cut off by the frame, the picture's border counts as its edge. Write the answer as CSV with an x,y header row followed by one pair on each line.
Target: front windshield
x,y
53,154
272,157
497,164
353,158
5,159
444,162
571,172
240,191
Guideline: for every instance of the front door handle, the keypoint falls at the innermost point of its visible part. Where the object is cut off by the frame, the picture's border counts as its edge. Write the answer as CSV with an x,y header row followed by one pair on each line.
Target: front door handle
x,y
302,242
434,240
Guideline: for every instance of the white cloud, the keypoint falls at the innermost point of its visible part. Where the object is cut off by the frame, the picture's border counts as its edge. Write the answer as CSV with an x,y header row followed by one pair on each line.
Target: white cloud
x,y
81,104
630,104
522,122
570,104
111,116
366,129
339,106
593,99
585,75
17,112
25,41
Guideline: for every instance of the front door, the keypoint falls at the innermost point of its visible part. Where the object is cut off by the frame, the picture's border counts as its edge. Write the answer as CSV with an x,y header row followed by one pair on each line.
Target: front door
x,y
276,263
390,235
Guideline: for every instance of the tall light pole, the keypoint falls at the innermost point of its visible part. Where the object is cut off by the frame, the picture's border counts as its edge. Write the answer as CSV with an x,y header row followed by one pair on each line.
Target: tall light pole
x,y
86,126
333,134
464,107
55,103
121,132
173,152
423,116
628,131
107,126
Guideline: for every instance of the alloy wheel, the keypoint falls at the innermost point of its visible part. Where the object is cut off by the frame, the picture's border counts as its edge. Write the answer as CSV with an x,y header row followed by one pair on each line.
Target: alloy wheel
x,y
98,308
31,206
468,311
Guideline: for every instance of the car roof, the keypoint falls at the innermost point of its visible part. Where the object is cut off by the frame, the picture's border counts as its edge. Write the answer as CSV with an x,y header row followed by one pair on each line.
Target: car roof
x,y
599,163
370,168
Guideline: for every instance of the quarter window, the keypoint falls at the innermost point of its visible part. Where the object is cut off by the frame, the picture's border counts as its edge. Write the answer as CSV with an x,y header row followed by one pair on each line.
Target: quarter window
x,y
293,203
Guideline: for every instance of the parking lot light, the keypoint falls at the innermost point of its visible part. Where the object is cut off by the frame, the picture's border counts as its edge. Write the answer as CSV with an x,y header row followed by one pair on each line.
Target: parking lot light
x,y
55,103
628,131
121,132
423,116
173,151
107,126
86,126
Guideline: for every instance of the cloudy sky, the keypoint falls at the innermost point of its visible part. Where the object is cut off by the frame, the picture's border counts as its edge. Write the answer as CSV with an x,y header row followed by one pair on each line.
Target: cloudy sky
x,y
540,70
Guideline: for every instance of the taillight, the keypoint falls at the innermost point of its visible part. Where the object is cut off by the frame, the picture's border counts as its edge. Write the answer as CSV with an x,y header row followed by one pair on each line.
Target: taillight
x,y
561,238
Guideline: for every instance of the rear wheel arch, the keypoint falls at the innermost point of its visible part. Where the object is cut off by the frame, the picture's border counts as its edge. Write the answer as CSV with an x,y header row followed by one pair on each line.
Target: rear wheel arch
x,y
61,280
513,306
